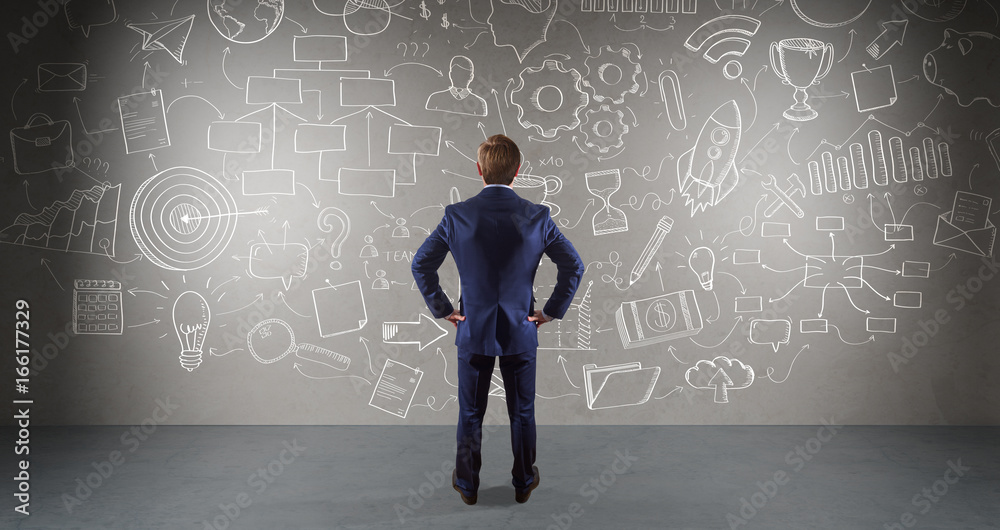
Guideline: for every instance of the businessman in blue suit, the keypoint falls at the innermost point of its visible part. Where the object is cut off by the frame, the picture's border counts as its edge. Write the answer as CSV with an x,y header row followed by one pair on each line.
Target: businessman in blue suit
x,y
497,240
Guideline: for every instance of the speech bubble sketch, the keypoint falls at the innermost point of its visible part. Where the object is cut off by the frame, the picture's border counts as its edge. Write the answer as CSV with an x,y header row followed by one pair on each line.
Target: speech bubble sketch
x,y
720,374
85,14
278,260
773,332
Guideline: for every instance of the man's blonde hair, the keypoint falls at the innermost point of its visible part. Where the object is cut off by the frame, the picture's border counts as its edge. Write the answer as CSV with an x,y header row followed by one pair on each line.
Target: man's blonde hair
x,y
499,159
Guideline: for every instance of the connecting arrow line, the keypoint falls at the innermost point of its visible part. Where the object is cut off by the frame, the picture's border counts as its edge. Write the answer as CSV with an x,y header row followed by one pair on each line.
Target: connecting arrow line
x,y
789,270
496,98
822,301
676,389
789,292
364,341
298,368
735,324
217,111
133,290
565,222
12,111
743,290
907,212
770,369
789,245
257,299
226,52
46,263
281,295
445,368
562,360
870,339
950,257
430,403
451,145
188,218
76,102
673,352
556,397
389,71
420,332
851,300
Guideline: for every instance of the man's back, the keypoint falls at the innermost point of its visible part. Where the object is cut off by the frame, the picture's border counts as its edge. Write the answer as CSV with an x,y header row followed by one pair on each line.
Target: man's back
x,y
497,240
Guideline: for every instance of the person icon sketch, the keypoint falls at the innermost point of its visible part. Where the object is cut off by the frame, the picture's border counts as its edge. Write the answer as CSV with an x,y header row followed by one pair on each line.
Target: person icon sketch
x,y
401,230
369,250
521,24
458,98
380,282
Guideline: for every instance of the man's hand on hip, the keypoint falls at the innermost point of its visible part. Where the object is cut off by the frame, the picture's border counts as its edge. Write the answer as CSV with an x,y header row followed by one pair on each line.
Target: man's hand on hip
x,y
538,318
454,318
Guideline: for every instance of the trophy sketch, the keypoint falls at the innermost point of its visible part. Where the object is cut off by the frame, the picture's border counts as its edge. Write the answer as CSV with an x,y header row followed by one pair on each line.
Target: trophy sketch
x,y
801,63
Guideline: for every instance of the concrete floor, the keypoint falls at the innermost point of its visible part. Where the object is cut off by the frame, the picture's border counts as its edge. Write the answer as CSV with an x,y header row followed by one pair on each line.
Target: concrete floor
x,y
289,477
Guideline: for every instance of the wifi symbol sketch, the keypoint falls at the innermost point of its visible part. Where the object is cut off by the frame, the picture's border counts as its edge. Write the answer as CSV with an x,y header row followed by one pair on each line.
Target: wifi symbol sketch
x,y
724,33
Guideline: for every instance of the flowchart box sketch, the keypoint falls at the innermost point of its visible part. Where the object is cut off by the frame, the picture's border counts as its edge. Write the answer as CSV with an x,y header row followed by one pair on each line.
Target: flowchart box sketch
x,y
319,48
268,90
749,304
234,137
315,138
898,232
414,139
775,229
658,319
618,385
833,271
367,182
269,182
366,92
829,223
744,256
332,303
916,269
813,325
395,388
908,299
880,325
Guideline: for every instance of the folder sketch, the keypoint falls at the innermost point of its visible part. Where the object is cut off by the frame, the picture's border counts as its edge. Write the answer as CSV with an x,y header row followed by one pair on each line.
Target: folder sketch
x,y
618,385
395,388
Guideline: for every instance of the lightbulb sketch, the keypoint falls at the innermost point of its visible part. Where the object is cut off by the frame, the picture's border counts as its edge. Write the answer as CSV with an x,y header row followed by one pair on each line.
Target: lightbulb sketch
x,y
191,319
702,263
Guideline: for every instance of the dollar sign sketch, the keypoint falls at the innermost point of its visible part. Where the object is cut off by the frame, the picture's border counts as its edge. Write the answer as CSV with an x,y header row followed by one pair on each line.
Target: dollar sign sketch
x,y
662,315
444,21
424,12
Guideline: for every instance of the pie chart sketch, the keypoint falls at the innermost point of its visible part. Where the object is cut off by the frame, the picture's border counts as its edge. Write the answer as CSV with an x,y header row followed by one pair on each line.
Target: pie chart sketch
x,y
182,218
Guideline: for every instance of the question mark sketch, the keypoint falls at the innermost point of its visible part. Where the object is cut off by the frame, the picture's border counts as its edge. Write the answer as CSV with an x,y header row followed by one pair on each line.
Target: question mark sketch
x,y
324,225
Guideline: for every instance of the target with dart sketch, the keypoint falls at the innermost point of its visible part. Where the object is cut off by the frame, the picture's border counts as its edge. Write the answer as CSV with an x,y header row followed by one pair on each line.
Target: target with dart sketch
x,y
182,218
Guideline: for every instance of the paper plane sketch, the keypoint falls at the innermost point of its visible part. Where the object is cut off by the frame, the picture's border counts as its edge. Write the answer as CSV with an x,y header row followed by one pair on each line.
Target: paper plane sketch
x,y
167,35
721,374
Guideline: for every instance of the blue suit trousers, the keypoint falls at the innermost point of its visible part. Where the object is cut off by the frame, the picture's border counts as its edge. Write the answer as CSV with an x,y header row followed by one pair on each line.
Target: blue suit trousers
x,y
475,374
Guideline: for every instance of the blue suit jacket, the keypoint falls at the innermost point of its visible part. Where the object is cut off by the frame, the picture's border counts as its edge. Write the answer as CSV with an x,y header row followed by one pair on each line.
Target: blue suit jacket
x,y
497,239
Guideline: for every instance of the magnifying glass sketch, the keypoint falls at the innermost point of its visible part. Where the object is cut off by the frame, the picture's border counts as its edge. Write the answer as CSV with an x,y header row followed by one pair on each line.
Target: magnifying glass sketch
x,y
272,339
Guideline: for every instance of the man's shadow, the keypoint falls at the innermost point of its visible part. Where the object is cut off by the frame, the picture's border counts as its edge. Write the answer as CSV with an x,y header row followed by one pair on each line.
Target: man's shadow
x,y
496,496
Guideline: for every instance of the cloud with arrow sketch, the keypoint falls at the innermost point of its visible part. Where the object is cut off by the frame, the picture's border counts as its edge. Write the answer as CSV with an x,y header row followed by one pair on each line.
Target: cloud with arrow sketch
x,y
720,374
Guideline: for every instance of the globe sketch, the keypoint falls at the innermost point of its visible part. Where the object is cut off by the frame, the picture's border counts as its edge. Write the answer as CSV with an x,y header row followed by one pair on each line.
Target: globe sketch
x,y
245,21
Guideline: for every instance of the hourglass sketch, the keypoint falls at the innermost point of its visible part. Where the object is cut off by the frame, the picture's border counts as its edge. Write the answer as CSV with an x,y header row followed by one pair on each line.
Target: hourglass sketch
x,y
604,184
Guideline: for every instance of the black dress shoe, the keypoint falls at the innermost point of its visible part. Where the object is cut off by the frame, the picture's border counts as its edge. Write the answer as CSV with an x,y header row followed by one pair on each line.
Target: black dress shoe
x,y
465,499
523,497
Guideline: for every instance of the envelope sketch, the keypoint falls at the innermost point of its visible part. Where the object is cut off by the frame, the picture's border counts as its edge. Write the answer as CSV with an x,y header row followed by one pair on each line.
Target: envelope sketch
x,y
62,77
977,241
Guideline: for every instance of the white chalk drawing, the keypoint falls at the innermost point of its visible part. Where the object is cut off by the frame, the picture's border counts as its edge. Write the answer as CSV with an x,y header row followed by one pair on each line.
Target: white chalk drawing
x,y
168,35
770,332
824,14
424,332
604,129
395,388
829,223
658,319
618,385
344,224
916,269
701,261
234,137
144,121
458,98
727,28
608,219
270,340
361,17
908,299
936,11
967,227
97,307
784,197
42,145
538,189
874,88
814,325
661,230
549,98
967,57
319,49
880,324
332,302
749,304
771,229
520,24
94,215
706,173
801,63
191,318
246,22
844,174
612,74
283,261
182,218
62,77
673,99
746,256
686,7
721,374
85,14
893,32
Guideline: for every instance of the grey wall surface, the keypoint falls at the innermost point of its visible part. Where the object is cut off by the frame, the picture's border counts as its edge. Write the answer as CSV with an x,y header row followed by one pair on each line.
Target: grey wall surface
x,y
785,208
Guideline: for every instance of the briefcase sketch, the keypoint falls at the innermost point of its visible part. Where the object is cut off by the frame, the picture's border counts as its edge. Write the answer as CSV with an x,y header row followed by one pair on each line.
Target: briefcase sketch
x,y
41,145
